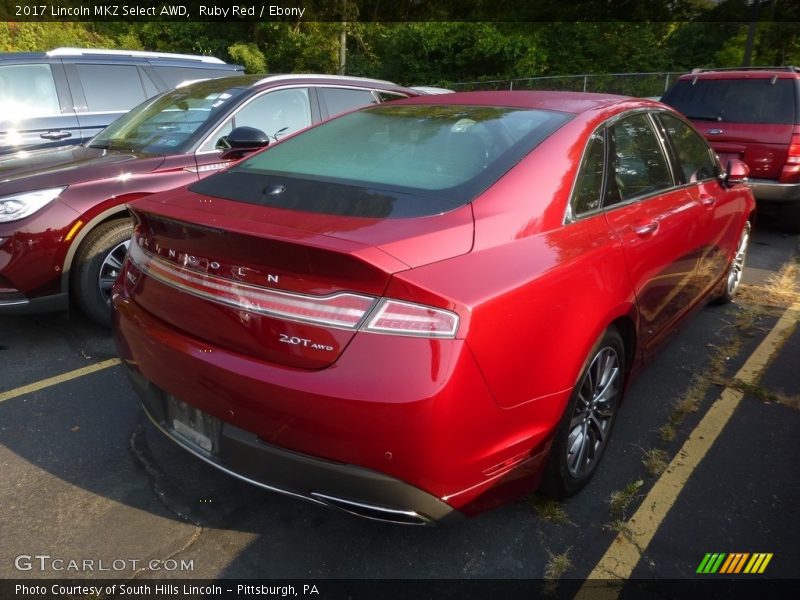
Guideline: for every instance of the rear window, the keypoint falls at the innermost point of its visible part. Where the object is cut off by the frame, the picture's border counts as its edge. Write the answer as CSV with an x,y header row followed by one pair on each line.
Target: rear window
x,y
735,100
389,160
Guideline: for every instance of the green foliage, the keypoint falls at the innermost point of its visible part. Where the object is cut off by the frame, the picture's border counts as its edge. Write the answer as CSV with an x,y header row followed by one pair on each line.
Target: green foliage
x,y
445,52
249,56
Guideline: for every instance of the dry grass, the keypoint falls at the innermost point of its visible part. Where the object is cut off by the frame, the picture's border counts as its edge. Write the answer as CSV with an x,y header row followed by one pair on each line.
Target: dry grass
x,y
619,500
655,461
556,566
781,289
548,510
765,395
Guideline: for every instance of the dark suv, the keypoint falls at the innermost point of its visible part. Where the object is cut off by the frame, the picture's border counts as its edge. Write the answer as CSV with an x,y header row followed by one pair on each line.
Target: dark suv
x,y
64,227
67,95
754,115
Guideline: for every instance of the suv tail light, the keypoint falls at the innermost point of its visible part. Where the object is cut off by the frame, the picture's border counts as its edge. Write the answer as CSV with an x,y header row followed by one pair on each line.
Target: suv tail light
x,y
793,157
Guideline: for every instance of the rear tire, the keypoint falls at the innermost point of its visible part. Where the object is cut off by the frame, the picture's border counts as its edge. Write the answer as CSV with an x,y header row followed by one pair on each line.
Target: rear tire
x,y
585,428
97,265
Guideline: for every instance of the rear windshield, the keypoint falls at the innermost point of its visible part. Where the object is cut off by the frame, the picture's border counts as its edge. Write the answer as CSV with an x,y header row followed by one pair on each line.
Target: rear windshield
x,y
389,160
735,100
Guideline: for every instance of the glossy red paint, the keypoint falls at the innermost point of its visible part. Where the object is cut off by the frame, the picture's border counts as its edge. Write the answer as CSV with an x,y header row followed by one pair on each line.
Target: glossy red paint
x,y
469,420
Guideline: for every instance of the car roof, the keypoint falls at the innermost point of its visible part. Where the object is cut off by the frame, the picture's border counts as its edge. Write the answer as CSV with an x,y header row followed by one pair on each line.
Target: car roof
x,y
743,73
570,102
259,81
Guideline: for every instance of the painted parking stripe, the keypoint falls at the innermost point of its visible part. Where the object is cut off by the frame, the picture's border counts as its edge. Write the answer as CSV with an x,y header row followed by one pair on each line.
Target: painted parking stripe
x,y
51,381
617,564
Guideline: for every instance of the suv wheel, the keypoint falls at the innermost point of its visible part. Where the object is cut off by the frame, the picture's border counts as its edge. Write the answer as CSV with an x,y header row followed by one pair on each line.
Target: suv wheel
x,y
97,265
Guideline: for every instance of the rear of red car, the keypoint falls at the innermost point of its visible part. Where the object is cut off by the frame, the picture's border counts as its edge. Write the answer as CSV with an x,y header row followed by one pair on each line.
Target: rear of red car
x,y
281,326
752,115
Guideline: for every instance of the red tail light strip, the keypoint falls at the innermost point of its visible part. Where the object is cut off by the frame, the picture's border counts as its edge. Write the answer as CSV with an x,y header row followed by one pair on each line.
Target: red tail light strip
x,y
344,310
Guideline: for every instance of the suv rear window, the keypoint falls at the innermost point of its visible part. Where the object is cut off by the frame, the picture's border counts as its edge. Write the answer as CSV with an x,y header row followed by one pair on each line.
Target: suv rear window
x,y
389,160
735,100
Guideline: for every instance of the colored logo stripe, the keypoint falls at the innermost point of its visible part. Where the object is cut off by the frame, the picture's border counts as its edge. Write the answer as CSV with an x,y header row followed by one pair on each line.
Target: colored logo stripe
x,y
734,563
711,563
758,563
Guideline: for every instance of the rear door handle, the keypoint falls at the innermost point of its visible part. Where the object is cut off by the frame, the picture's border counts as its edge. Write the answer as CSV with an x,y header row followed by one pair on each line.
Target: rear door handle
x,y
643,228
55,135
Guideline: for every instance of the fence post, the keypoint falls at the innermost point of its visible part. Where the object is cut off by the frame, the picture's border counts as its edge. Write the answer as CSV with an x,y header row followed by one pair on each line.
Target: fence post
x,y
666,83
511,85
585,78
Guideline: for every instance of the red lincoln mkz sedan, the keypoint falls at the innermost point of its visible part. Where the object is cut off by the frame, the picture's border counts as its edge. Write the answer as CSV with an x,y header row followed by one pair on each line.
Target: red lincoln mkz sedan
x,y
420,309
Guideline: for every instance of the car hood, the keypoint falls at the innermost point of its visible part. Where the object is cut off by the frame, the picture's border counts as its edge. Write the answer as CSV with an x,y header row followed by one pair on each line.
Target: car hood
x,y
65,166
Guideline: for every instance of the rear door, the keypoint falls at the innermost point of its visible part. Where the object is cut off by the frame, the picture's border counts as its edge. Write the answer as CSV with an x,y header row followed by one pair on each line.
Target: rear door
x,y
751,118
36,108
657,222
720,207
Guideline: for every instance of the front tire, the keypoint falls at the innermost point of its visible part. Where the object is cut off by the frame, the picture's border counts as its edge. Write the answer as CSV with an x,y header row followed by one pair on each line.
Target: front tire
x,y
734,278
97,265
583,434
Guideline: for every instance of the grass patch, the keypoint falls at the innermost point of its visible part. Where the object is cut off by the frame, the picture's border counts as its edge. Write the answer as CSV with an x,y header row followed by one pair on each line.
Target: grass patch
x,y
619,500
557,565
548,509
667,432
765,395
781,288
655,461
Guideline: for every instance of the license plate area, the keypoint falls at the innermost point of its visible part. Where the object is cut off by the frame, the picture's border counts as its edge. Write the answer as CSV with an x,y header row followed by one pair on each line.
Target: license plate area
x,y
192,425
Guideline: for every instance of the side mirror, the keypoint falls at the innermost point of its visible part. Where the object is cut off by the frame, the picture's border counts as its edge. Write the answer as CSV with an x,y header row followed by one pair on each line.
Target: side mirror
x,y
243,140
735,172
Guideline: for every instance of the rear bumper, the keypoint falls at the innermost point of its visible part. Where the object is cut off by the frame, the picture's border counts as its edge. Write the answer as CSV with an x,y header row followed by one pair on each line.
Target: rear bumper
x,y
356,490
764,189
417,432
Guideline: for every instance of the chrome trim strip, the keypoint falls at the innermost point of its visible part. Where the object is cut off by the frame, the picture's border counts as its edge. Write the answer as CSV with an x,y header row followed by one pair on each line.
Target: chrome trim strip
x,y
14,302
335,502
138,261
314,498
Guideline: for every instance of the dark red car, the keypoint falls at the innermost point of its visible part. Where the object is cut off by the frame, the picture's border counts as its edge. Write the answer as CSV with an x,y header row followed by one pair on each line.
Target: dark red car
x,y
64,228
419,309
751,114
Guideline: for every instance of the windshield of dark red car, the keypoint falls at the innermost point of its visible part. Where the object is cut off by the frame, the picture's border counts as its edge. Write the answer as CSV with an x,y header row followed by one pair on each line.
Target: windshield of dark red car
x,y
167,124
389,160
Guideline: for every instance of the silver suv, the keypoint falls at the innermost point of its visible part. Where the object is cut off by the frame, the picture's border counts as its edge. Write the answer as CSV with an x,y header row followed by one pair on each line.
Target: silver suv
x,y
67,95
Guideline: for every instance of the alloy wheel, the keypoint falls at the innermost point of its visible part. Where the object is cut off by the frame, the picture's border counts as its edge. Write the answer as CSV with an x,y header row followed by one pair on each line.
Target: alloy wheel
x,y
737,265
591,420
110,268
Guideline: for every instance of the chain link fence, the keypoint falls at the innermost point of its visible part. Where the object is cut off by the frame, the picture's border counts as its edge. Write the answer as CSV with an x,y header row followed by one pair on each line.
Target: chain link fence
x,y
628,84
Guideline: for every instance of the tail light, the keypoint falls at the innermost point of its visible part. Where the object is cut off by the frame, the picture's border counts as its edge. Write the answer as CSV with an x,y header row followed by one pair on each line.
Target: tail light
x,y
345,309
405,318
793,157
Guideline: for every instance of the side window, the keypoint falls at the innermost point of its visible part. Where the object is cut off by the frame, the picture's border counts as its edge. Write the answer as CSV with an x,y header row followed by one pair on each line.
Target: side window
x,y
638,164
389,96
277,114
28,91
173,76
696,161
111,88
339,100
588,187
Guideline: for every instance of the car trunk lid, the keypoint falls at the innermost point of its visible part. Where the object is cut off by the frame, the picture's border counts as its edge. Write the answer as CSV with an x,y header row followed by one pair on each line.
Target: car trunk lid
x,y
280,285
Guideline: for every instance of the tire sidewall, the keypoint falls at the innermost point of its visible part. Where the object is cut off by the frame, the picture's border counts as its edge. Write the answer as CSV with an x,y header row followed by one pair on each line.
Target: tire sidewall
x,y
558,480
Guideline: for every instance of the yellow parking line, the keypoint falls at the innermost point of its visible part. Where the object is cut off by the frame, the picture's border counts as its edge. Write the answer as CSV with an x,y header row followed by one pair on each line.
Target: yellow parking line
x,y
45,383
617,564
